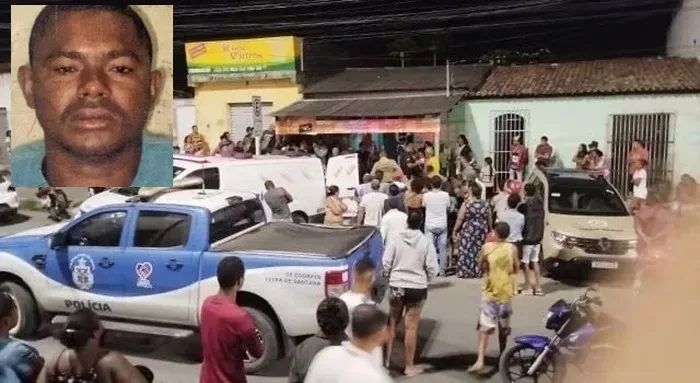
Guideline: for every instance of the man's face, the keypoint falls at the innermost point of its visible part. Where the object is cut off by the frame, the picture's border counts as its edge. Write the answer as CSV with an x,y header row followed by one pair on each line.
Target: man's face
x,y
543,142
195,129
91,83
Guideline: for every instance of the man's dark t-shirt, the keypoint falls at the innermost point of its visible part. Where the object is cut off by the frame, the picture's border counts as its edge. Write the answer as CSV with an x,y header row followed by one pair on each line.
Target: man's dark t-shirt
x,y
228,332
305,353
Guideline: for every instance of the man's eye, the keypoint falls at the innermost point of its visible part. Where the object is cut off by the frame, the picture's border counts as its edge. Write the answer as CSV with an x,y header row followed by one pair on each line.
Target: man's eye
x,y
122,69
65,70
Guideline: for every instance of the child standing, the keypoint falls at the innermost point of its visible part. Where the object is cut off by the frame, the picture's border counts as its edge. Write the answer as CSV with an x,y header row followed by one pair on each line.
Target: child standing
x,y
499,263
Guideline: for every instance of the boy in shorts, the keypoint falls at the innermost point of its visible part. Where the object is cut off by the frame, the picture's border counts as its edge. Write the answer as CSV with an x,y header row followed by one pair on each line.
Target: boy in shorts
x,y
499,262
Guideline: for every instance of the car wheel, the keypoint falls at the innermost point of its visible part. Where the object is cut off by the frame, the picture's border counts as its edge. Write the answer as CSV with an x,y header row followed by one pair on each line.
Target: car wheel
x,y
549,268
27,311
268,332
299,218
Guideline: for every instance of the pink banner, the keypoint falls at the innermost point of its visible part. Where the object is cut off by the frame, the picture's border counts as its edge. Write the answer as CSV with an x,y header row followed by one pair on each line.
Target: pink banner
x,y
307,125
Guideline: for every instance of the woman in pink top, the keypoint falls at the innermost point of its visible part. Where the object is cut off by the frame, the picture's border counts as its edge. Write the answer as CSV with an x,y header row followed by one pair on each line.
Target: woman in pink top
x,y
654,224
637,153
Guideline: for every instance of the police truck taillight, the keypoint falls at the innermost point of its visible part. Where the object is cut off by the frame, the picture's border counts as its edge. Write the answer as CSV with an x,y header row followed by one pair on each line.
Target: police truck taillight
x,y
336,282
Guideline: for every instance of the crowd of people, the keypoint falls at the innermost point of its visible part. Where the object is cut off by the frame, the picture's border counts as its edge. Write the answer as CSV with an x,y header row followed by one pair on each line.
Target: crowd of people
x,y
432,216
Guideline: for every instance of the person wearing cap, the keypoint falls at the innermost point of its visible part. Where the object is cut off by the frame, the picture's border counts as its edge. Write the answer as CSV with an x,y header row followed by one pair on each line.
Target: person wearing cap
x,y
518,158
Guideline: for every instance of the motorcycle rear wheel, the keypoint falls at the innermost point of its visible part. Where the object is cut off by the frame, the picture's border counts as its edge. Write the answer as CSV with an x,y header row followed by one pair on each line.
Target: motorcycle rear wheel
x,y
512,359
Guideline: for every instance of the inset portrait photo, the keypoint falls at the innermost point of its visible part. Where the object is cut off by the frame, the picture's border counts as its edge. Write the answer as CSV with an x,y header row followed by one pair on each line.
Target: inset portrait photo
x,y
92,95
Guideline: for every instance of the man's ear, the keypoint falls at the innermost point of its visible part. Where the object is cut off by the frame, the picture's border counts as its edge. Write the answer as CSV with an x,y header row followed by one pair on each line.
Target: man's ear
x,y
26,83
156,83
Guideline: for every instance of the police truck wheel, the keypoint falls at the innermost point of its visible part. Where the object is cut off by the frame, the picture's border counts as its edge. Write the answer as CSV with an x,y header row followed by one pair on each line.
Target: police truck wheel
x,y
299,218
27,312
268,332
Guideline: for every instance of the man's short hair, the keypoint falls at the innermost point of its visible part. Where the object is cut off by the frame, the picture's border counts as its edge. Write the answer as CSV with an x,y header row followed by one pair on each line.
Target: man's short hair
x,y
502,230
269,184
437,182
50,13
394,203
332,316
230,272
513,201
365,265
394,190
367,320
530,190
375,185
378,174
415,220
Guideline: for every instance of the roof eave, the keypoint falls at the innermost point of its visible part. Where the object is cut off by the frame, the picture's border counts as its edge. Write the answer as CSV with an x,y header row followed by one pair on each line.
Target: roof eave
x,y
476,96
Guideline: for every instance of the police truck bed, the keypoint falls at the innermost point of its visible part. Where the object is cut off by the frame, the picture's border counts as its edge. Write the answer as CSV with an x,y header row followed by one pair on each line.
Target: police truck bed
x,y
332,242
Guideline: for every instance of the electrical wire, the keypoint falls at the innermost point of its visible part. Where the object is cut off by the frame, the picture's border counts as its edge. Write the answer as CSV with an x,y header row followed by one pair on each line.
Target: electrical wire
x,y
193,30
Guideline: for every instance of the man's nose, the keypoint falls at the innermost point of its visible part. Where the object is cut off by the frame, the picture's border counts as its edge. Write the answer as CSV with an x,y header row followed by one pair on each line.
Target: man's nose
x,y
93,84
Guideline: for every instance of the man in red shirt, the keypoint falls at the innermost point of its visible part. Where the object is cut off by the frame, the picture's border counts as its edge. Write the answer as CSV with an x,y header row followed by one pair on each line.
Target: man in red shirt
x,y
227,329
544,152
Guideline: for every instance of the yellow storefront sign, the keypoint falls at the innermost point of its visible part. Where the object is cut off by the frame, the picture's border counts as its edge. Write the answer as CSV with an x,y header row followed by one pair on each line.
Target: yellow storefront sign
x,y
274,55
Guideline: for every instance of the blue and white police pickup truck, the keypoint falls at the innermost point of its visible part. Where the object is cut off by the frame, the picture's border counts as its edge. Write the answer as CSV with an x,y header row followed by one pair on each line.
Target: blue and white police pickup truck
x,y
146,267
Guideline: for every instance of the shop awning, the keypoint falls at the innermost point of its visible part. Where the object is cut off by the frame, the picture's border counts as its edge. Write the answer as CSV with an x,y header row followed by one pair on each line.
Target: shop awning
x,y
369,107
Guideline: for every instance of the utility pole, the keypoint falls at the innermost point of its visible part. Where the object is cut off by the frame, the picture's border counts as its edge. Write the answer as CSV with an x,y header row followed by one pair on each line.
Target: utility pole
x,y
447,78
402,55
434,57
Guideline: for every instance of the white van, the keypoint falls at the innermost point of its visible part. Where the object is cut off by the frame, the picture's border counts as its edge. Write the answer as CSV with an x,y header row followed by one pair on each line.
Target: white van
x,y
302,177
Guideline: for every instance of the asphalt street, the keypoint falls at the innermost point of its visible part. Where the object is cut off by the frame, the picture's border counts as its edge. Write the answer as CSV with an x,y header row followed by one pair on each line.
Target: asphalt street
x,y
447,331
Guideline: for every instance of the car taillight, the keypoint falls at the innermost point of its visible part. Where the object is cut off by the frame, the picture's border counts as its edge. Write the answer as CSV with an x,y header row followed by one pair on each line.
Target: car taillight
x,y
336,283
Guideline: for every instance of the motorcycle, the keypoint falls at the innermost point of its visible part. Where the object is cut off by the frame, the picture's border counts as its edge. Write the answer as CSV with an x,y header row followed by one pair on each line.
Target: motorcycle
x,y
580,337
55,202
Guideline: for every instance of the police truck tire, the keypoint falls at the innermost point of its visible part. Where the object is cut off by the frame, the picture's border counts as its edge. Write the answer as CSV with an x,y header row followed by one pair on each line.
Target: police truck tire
x,y
268,331
299,218
26,308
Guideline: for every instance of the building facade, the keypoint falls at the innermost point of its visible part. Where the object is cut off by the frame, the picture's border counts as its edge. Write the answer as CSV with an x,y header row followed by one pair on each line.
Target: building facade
x,y
185,118
612,102
384,103
227,75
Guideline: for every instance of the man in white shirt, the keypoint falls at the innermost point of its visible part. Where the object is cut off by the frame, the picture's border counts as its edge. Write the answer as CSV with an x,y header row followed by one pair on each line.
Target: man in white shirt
x,y
394,220
361,293
353,361
437,205
499,202
365,186
372,206
514,219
